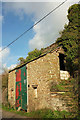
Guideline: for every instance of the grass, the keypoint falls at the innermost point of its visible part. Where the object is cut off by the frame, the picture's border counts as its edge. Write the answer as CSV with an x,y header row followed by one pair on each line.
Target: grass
x,y
57,88
43,113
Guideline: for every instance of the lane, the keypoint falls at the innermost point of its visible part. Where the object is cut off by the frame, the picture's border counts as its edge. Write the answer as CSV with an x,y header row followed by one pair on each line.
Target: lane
x,y
0,113
7,114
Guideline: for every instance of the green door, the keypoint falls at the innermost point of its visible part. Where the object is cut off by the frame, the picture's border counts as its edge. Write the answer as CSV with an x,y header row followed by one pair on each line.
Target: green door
x,y
21,88
24,87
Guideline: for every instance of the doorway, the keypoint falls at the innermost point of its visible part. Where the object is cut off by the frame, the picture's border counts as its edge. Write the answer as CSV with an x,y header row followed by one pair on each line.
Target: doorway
x,y
61,61
21,88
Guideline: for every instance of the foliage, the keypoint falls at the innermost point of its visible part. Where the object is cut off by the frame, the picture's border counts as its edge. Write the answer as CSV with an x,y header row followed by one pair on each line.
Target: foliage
x,y
70,37
43,113
31,55
56,88
4,80
4,88
22,60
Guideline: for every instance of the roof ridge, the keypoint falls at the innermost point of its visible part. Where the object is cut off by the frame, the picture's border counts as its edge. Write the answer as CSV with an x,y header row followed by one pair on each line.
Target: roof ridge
x,y
35,58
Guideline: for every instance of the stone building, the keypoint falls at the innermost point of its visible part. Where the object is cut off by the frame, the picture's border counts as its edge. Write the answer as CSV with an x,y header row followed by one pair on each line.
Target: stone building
x,y
29,85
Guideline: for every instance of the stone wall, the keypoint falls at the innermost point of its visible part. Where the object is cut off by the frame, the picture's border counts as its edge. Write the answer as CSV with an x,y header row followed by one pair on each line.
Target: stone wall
x,y
4,96
11,88
56,102
40,73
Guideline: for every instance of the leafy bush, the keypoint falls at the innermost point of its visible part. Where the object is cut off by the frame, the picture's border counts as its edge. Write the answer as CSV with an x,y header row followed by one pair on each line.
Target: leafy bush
x,y
31,55
4,80
69,39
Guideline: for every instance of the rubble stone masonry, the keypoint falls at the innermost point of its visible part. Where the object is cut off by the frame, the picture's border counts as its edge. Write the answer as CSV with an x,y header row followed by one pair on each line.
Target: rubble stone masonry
x,y
11,88
40,73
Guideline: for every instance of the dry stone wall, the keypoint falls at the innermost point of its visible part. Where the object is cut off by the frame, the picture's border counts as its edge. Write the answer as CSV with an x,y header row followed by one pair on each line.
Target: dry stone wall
x,y
56,103
11,88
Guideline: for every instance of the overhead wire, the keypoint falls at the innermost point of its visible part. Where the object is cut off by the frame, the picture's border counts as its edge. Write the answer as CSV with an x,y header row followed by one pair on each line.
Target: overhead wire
x,y
34,25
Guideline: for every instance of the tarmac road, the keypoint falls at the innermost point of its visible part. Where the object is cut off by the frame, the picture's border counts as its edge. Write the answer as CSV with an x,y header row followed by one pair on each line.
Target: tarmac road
x,y
7,114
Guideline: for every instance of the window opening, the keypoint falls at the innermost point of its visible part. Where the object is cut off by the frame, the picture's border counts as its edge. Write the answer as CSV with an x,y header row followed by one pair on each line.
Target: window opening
x,y
35,90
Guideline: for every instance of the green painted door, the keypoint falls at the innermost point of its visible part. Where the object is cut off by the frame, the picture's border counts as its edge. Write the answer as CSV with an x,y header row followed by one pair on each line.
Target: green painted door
x,y
21,88
24,87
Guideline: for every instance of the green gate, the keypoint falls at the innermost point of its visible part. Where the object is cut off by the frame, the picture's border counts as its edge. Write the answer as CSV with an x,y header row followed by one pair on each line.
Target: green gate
x,y
21,88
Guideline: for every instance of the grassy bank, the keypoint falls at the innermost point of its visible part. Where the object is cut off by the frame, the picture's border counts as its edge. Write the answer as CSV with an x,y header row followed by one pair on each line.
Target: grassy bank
x,y
44,113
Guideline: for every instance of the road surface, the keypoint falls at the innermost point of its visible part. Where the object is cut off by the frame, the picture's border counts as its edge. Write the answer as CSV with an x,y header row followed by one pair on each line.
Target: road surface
x,y
7,114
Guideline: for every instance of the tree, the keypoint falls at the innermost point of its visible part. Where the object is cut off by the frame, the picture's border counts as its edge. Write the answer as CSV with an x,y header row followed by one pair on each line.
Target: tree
x,y
70,37
33,54
4,78
22,60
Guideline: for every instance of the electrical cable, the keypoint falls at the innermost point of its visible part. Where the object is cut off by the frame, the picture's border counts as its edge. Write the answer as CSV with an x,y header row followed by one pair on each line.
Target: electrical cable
x,y
34,25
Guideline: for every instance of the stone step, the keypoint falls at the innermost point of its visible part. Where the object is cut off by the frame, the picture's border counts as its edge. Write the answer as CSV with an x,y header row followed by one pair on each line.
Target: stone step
x,y
68,85
70,103
69,99
66,90
66,82
72,109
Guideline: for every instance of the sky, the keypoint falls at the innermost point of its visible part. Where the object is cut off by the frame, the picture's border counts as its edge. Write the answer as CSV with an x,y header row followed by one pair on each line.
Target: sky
x,y
16,16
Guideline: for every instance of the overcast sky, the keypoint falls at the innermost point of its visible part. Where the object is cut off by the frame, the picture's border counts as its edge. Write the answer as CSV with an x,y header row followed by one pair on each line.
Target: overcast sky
x,y
17,17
